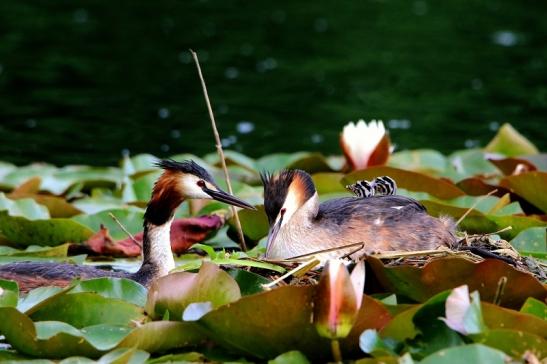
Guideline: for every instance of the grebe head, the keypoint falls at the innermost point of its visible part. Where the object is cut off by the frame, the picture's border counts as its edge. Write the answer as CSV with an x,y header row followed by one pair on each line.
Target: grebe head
x,y
189,180
284,194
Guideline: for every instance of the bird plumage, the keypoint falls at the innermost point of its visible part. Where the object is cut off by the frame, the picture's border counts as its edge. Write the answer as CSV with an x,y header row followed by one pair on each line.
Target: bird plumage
x,y
303,225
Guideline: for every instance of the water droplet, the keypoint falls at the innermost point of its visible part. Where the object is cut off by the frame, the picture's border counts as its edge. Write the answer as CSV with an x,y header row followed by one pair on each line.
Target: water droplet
x,y
175,133
420,8
80,16
317,138
505,38
266,65
493,125
164,113
245,127
471,143
476,84
164,148
30,123
226,142
320,25
399,124
231,73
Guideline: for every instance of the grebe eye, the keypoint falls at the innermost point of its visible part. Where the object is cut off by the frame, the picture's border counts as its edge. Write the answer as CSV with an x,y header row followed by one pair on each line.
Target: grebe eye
x,y
201,183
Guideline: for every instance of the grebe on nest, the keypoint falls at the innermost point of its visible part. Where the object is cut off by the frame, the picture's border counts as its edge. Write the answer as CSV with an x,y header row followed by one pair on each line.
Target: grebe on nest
x,y
300,225
179,181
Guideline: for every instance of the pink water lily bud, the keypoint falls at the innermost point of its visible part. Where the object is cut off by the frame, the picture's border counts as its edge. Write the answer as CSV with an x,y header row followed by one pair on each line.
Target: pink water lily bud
x,y
338,299
365,144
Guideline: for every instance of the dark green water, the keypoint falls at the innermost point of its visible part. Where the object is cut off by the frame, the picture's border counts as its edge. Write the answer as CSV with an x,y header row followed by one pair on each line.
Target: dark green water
x,y
81,81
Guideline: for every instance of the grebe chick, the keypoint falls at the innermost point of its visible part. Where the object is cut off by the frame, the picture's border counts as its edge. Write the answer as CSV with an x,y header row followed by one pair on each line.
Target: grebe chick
x,y
179,181
300,225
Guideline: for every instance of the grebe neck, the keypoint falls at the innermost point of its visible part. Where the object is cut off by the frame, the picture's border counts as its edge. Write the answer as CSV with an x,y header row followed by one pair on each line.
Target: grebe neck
x,y
156,244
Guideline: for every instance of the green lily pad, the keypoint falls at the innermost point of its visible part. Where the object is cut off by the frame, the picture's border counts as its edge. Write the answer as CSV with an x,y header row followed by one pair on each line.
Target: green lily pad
x,y
409,180
510,142
254,223
26,207
291,357
36,251
38,297
329,183
426,161
535,307
446,273
210,284
530,186
248,282
124,356
497,317
50,232
130,217
514,342
531,240
138,164
474,353
469,163
117,288
9,293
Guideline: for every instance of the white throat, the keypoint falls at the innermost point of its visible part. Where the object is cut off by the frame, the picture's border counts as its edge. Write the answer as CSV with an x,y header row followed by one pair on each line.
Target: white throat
x,y
160,254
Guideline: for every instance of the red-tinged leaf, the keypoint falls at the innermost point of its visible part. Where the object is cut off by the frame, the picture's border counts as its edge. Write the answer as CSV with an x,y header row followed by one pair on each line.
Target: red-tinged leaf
x,y
530,186
474,186
185,232
412,181
496,317
446,273
511,166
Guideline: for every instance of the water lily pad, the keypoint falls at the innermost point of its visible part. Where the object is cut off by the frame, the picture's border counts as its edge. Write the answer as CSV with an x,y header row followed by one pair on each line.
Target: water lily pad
x,y
531,240
50,232
514,342
27,208
510,166
138,164
118,288
291,357
446,273
130,217
409,180
474,353
426,161
254,223
510,142
535,307
9,293
210,284
530,186
36,251
468,163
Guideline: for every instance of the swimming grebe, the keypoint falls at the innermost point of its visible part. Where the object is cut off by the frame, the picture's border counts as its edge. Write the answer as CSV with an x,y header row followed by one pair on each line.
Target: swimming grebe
x,y
300,225
179,181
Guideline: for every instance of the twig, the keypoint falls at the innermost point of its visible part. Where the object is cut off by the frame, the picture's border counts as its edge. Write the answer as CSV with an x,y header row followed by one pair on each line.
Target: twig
x,y
220,151
316,252
124,229
500,290
304,266
335,348
474,205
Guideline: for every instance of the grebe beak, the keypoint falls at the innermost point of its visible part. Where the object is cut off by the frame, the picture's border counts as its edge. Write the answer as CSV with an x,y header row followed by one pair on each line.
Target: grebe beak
x,y
272,234
227,198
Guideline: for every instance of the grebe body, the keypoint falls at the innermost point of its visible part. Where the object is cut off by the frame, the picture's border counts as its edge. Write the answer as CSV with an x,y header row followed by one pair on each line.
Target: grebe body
x,y
179,181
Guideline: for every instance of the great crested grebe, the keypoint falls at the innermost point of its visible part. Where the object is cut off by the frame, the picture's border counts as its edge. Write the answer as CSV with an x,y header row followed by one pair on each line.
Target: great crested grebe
x,y
300,225
179,181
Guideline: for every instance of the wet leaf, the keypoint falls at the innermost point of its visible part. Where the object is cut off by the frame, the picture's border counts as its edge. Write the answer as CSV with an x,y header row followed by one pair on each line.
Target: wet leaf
x,y
9,293
118,288
210,284
510,142
50,232
130,217
446,273
291,357
514,342
426,161
27,208
535,307
408,180
474,353
531,240
254,223
530,186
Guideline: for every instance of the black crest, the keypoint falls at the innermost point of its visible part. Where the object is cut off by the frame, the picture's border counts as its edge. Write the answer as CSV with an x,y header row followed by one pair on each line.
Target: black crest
x,y
276,188
187,166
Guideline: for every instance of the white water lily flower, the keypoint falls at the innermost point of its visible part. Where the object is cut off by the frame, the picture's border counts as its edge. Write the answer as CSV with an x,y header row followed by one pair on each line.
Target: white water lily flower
x,y
365,144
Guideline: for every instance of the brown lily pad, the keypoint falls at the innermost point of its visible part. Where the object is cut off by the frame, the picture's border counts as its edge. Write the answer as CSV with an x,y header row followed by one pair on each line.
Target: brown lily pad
x,y
530,186
421,283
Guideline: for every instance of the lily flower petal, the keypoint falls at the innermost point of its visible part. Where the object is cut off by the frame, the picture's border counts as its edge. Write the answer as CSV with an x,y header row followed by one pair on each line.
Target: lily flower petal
x,y
365,144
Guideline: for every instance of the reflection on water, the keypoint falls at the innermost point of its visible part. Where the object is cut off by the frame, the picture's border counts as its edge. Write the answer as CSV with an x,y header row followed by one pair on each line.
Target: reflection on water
x,y
82,82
